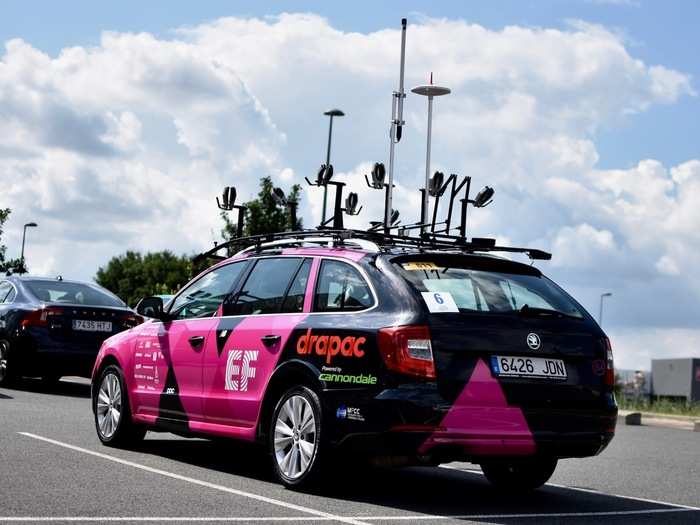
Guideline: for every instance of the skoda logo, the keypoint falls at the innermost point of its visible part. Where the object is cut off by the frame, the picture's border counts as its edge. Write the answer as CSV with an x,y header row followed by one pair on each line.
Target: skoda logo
x,y
533,341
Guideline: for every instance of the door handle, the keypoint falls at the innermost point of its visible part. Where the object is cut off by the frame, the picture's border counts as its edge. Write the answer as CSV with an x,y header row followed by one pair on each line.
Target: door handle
x,y
270,340
196,341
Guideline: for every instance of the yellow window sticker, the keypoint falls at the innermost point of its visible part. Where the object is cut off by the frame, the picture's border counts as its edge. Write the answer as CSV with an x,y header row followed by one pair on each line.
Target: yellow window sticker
x,y
420,266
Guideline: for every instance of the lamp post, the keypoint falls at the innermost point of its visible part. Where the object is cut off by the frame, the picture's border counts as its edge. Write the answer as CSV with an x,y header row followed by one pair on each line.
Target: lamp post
x,y
24,235
600,312
431,92
330,113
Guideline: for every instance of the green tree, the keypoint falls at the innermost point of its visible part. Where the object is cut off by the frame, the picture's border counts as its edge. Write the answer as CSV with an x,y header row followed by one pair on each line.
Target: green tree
x,y
133,276
7,265
262,214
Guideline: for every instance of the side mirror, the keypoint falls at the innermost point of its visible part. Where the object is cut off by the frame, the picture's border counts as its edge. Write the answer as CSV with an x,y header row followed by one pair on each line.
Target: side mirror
x,y
151,307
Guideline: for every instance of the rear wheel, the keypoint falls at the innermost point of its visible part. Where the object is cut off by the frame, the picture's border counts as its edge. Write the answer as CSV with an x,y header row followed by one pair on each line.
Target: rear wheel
x,y
519,475
7,372
112,411
295,437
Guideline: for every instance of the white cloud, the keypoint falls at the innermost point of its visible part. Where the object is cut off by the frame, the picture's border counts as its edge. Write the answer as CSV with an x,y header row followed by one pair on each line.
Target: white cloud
x,y
125,144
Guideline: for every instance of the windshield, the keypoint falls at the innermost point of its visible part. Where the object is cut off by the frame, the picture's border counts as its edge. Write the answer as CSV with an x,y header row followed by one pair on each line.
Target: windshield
x,y
72,293
485,291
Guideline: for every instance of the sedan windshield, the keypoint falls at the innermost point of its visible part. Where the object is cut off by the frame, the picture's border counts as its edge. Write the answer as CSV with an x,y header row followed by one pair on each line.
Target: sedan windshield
x,y
497,292
72,293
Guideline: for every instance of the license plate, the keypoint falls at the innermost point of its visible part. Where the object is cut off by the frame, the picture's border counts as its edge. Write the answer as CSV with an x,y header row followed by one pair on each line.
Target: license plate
x,y
92,326
539,367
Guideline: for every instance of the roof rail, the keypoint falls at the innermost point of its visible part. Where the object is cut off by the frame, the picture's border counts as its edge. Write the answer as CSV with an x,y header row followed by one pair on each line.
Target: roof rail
x,y
328,241
372,240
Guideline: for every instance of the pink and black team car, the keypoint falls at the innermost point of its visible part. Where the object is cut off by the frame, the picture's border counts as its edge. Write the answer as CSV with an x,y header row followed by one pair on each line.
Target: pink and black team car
x,y
388,350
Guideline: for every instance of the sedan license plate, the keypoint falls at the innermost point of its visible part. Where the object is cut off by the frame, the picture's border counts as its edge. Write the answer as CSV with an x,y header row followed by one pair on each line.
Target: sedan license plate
x,y
92,326
538,367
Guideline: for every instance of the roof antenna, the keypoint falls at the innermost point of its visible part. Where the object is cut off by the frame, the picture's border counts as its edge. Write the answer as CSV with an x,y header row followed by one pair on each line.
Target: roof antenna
x,y
397,123
429,91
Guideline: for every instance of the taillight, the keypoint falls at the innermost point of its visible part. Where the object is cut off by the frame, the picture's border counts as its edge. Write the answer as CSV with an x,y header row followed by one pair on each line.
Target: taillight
x,y
41,317
407,349
609,378
132,320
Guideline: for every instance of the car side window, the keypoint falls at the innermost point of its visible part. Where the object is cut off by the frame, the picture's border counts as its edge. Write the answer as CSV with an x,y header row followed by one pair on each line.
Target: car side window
x,y
294,302
266,287
203,297
341,288
5,289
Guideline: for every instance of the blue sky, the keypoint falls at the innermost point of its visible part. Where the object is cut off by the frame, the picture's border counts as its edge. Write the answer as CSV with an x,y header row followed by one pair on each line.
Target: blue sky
x,y
658,32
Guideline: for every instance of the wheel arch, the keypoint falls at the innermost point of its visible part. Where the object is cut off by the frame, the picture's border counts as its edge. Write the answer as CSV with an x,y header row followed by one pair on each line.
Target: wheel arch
x,y
290,373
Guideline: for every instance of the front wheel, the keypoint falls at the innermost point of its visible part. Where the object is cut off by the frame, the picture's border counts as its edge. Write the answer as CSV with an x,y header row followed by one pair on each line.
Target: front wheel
x,y
295,437
519,475
112,411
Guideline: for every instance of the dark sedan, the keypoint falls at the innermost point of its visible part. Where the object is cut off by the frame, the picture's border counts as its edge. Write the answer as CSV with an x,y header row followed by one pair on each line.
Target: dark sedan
x,y
51,327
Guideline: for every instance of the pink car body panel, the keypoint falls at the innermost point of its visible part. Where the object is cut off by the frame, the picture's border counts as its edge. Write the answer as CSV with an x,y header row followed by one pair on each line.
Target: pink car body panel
x,y
235,400
482,422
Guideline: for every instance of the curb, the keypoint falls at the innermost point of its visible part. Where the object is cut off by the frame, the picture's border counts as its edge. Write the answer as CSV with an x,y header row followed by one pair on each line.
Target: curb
x,y
659,420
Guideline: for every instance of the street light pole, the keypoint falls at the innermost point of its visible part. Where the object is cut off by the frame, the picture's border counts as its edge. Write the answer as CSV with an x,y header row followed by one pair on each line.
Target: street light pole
x,y
24,235
330,113
600,312
431,92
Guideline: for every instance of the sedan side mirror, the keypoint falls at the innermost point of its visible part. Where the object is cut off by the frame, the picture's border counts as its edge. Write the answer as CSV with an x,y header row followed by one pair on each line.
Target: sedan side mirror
x,y
151,307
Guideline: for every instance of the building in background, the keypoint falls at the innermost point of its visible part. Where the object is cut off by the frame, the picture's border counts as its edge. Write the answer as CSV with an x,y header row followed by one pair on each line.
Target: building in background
x,y
676,378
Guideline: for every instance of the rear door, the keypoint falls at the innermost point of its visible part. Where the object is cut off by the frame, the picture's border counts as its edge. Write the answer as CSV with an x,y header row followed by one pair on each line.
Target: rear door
x,y
168,357
250,336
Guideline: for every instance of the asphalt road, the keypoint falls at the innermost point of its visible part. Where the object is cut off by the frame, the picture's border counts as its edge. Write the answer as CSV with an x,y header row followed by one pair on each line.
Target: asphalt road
x,y
53,469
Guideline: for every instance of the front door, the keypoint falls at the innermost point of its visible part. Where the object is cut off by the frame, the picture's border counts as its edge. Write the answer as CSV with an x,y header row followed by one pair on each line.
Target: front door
x,y
168,358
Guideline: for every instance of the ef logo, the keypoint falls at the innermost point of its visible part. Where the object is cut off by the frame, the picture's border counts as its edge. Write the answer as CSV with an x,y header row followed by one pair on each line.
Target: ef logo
x,y
239,369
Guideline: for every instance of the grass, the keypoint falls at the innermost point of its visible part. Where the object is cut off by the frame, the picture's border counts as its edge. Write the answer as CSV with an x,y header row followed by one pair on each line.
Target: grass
x,y
660,406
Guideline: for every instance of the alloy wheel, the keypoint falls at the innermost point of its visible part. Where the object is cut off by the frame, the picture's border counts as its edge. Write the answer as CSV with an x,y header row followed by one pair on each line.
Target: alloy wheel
x,y
109,405
295,437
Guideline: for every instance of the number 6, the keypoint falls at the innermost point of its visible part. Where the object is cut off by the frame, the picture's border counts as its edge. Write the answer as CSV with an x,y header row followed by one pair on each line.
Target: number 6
x,y
438,299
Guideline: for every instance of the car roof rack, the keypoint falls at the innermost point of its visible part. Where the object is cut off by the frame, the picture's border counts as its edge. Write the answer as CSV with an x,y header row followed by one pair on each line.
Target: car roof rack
x,y
372,241
433,232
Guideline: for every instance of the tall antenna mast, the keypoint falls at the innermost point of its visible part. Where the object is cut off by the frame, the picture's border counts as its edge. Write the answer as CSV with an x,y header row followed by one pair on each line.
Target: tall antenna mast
x,y
397,123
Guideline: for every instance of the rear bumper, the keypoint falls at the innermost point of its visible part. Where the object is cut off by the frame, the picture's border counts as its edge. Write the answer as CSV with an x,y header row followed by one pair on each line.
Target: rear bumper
x,y
444,447
55,359
396,423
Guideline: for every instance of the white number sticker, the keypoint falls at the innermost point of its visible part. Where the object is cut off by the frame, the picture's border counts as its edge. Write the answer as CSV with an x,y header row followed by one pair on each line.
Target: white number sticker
x,y
440,302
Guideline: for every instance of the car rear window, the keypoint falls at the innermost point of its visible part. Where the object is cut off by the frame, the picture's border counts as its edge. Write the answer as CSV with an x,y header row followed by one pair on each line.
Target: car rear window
x,y
489,291
72,293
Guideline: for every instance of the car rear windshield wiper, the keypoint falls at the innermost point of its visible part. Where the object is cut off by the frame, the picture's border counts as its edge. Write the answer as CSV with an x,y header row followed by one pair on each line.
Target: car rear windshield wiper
x,y
544,312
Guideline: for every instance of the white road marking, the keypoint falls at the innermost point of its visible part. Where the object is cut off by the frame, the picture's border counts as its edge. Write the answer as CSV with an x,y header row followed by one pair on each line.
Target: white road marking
x,y
593,491
412,517
317,515
251,495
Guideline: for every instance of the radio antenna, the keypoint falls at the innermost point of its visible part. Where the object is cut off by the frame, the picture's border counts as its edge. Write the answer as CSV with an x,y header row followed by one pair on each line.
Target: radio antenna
x,y
397,123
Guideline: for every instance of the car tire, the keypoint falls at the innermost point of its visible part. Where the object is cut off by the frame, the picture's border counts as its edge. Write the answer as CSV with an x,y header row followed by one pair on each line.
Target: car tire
x,y
112,411
7,370
519,475
296,441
